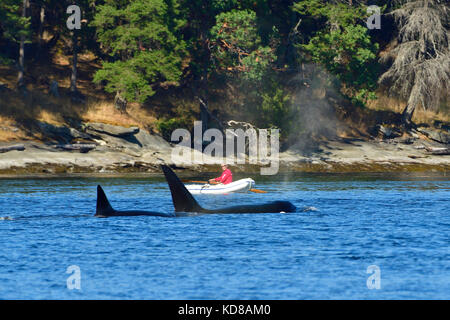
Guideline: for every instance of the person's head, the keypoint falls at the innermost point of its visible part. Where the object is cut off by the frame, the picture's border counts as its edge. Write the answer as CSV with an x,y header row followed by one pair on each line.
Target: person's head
x,y
224,166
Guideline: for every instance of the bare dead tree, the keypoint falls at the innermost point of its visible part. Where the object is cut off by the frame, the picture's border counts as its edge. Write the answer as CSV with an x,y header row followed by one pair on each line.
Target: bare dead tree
x,y
420,71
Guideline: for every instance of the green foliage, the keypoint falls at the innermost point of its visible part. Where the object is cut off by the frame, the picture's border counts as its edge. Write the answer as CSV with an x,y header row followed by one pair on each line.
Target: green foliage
x,y
238,47
258,63
12,25
247,58
167,126
275,106
334,13
238,29
343,46
347,53
143,39
255,46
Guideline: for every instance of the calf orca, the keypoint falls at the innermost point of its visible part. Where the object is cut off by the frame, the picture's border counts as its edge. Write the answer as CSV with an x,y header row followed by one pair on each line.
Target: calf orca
x,y
183,201
104,209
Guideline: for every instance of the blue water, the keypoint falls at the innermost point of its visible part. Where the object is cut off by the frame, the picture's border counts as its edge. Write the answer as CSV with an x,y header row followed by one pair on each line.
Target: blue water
x,y
344,224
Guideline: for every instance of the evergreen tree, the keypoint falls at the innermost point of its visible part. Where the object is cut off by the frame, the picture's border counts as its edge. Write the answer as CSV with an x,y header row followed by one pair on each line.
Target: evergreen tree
x,y
145,46
339,40
14,25
238,46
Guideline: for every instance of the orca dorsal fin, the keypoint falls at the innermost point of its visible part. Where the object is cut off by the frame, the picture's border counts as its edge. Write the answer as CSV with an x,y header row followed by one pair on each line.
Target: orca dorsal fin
x,y
103,206
182,199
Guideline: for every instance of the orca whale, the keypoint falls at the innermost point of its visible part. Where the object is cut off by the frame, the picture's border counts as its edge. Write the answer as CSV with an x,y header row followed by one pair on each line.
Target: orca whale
x,y
104,208
183,201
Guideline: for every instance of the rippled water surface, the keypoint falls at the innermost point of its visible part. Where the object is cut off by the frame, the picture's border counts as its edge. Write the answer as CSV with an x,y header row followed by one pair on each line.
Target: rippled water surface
x,y
343,225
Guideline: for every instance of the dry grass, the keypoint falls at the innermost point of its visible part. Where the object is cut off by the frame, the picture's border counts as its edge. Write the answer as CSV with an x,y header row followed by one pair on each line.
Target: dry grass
x,y
420,115
104,111
18,113
10,131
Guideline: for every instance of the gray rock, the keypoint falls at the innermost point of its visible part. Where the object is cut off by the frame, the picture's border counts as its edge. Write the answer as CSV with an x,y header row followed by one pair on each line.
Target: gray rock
x,y
132,145
152,141
79,135
388,133
413,134
82,148
120,144
409,140
436,135
115,131
63,133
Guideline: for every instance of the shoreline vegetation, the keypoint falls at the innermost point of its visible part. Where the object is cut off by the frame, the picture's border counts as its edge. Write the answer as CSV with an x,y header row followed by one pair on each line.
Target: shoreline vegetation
x,y
345,98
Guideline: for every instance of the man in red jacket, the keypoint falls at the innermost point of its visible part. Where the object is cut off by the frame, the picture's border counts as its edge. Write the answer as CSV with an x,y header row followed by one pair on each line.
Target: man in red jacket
x,y
225,178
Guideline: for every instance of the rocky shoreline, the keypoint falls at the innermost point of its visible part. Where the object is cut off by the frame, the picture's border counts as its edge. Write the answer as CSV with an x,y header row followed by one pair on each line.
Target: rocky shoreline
x,y
109,150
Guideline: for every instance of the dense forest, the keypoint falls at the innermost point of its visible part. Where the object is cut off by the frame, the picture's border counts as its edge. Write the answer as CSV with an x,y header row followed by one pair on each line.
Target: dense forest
x,y
273,63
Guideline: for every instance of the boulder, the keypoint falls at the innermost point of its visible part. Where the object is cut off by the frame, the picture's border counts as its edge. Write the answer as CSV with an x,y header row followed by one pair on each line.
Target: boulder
x,y
115,131
409,140
436,135
152,141
63,133
388,133
128,145
82,148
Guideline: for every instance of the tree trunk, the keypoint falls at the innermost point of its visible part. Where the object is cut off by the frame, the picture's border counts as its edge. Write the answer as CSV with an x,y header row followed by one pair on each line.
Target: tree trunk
x,y
120,103
203,84
407,115
41,31
73,78
20,80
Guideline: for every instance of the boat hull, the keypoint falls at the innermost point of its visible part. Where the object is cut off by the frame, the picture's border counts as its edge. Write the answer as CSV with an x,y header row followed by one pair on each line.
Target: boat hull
x,y
242,185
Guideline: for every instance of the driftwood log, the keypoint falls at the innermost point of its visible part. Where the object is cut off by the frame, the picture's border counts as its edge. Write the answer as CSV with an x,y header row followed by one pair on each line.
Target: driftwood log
x,y
17,147
83,148
438,151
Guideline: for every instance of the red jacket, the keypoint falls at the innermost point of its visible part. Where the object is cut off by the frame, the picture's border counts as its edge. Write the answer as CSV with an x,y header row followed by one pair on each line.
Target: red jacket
x,y
226,177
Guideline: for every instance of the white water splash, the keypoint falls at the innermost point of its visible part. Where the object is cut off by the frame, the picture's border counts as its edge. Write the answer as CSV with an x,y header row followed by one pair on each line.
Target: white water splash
x,y
308,209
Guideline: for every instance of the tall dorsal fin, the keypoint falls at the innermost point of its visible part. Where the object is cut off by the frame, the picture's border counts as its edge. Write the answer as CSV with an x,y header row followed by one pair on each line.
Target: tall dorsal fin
x,y
103,206
183,201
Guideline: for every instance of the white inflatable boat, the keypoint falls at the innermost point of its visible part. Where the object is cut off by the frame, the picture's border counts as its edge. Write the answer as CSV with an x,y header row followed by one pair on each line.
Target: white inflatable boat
x,y
242,185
